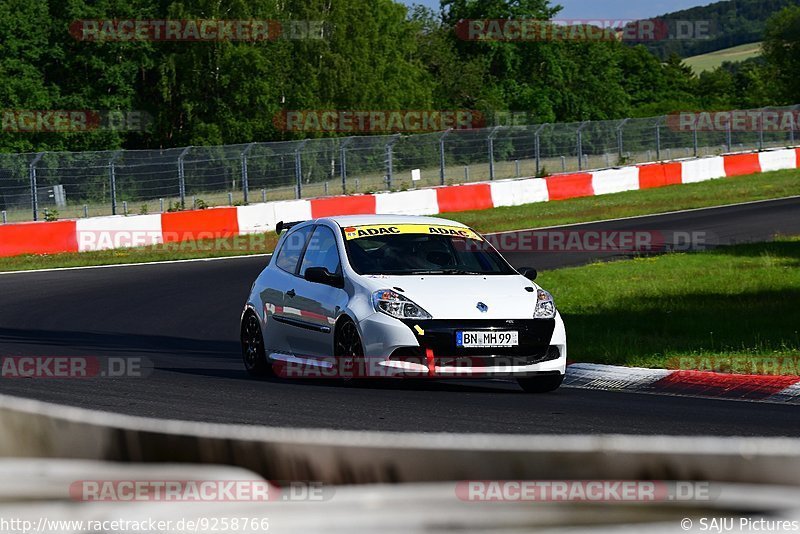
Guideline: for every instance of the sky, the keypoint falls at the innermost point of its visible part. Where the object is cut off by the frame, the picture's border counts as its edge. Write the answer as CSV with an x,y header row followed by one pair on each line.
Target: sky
x,y
607,9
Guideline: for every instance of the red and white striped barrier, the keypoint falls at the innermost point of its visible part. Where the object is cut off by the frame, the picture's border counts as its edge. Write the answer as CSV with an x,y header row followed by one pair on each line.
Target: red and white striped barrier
x,y
102,233
755,388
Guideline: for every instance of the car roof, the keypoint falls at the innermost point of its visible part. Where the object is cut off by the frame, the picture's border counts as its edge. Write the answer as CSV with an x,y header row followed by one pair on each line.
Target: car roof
x,y
369,220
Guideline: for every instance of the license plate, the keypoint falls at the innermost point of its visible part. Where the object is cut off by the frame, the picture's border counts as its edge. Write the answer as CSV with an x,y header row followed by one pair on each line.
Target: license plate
x,y
487,339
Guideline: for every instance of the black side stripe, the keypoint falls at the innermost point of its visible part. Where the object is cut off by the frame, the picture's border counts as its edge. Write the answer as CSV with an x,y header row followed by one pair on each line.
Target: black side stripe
x,y
302,324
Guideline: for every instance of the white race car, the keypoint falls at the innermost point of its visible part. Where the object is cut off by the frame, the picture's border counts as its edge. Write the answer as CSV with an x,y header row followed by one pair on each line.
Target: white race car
x,y
389,296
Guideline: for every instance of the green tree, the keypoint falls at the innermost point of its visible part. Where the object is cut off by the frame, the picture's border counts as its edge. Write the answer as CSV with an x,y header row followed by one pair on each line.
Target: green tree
x,y
782,52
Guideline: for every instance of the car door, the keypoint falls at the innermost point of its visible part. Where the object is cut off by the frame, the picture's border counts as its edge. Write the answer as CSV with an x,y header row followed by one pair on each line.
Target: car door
x,y
281,280
319,304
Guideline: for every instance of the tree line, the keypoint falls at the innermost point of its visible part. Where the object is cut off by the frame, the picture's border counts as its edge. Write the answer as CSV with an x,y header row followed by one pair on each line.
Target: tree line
x,y
366,55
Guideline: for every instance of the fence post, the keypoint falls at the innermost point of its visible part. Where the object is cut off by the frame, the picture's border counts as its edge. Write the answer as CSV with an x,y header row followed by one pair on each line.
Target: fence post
x,y
245,175
182,177
34,194
694,140
343,162
442,162
112,177
492,135
390,160
729,137
658,140
620,146
580,144
761,129
538,145
298,169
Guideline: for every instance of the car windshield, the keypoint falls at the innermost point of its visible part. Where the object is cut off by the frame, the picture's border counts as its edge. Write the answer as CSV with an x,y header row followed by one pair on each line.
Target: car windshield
x,y
421,249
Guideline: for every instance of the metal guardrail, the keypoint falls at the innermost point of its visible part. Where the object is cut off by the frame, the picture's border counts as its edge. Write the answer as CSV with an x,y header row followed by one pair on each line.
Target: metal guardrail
x,y
36,493
82,184
38,429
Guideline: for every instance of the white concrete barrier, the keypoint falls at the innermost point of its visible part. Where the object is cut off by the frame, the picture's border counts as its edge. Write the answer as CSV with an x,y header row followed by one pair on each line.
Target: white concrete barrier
x,y
292,210
700,170
519,192
420,202
256,218
615,180
777,160
106,233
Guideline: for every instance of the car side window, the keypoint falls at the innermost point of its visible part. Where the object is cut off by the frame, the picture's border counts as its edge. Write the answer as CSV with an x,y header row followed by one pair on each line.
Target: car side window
x,y
322,251
292,248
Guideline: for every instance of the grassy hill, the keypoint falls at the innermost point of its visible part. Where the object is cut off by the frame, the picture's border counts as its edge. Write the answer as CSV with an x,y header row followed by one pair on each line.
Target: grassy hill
x,y
713,60
730,23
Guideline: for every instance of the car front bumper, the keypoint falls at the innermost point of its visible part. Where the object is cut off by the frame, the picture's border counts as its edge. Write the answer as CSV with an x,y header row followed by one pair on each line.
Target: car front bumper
x,y
428,348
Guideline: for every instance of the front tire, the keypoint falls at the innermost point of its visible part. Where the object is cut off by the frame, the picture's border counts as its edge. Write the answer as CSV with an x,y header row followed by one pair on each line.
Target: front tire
x,y
349,351
253,353
541,384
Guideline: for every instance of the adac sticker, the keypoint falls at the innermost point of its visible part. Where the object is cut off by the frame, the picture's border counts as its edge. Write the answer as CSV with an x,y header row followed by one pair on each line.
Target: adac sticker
x,y
359,232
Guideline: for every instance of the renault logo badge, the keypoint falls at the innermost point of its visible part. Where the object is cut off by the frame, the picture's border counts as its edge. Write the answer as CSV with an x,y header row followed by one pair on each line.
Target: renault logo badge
x,y
483,307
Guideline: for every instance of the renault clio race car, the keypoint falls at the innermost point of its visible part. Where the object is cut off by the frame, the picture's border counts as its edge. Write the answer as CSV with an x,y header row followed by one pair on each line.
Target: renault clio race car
x,y
399,296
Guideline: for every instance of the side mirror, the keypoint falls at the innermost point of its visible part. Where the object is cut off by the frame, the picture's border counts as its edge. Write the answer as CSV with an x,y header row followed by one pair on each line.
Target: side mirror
x,y
530,273
321,275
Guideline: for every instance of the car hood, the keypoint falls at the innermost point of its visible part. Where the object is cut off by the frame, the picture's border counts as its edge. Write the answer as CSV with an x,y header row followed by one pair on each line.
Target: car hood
x,y
457,297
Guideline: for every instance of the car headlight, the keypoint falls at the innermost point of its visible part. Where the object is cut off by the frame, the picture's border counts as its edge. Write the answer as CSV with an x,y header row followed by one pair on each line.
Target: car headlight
x,y
396,305
545,307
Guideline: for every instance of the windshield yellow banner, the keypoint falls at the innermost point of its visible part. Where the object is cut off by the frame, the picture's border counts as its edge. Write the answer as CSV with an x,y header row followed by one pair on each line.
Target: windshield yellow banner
x,y
359,232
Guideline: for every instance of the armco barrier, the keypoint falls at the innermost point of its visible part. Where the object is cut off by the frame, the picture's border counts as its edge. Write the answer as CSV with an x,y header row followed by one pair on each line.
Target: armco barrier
x,y
87,234
48,495
33,429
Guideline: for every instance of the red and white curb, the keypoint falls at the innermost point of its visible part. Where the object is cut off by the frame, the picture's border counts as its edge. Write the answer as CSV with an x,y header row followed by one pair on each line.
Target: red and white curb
x,y
753,388
103,233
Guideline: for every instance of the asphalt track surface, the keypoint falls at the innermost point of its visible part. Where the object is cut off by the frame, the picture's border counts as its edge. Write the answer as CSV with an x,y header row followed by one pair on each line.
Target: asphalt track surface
x,y
183,317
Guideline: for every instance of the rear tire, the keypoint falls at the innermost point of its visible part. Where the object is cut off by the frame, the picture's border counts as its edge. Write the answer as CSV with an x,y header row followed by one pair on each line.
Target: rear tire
x,y
541,384
253,353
